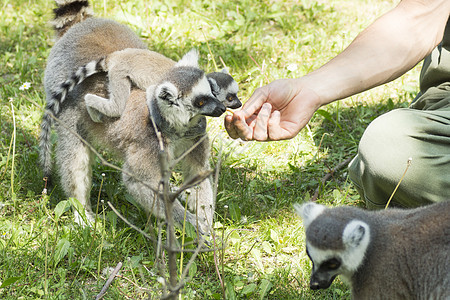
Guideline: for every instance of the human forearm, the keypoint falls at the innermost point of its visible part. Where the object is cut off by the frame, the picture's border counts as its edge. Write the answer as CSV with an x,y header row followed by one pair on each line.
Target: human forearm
x,y
388,48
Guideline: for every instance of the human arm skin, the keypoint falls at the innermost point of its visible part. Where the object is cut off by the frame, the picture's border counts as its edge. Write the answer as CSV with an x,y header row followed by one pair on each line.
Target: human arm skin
x,y
387,49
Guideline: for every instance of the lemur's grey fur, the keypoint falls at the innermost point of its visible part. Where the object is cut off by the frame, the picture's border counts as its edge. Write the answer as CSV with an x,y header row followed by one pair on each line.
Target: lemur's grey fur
x,y
178,99
388,254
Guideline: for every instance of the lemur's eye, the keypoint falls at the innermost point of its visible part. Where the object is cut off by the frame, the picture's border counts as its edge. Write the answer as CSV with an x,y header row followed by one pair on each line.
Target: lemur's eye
x,y
202,100
331,264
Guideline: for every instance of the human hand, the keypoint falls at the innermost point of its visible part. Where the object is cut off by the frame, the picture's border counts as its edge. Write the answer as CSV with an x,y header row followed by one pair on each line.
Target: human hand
x,y
274,112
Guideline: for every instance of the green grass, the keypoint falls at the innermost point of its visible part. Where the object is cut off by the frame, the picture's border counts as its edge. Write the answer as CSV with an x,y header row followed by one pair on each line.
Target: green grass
x,y
44,255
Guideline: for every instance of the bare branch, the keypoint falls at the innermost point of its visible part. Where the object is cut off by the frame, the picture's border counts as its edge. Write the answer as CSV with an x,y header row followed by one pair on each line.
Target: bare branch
x,y
146,235
109,281
176,290
191,182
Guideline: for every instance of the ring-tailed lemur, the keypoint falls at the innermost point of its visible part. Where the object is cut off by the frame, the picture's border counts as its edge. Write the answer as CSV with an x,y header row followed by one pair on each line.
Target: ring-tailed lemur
x,y
138,67
389,254
178,99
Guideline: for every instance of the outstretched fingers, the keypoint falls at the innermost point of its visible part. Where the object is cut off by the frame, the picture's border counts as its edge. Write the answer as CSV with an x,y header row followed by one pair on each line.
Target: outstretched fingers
x,y
251,121
238,126
270,127
273,127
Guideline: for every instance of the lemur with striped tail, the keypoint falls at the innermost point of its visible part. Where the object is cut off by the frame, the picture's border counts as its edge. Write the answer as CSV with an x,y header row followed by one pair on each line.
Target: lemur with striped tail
x,y
177,99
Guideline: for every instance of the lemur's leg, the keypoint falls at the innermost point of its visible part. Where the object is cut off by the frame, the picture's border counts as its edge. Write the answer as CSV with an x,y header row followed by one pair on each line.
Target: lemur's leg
x,y
91,99
152,204
74,160
201,200
119,91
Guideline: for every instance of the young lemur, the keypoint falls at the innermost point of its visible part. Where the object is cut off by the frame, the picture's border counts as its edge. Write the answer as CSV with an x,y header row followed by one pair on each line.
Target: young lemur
x,y
388,254
177,99
138,67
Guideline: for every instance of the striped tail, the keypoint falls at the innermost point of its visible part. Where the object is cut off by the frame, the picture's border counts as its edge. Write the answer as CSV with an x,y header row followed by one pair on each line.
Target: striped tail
x,y
54,104
68,13
45,143
91,68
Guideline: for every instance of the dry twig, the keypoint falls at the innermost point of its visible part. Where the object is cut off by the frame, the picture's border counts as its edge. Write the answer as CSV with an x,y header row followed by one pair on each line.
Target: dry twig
x,y
109,281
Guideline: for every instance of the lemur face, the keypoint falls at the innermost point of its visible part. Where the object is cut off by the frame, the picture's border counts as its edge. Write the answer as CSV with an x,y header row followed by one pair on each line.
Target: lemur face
x,y
335,244
326,266
203,101
224,88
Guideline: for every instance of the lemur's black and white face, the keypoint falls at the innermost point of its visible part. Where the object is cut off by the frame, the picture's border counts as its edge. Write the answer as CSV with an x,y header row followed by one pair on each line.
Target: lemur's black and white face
x,y
179,103
224,88
325,268
202,101
335,245
185,93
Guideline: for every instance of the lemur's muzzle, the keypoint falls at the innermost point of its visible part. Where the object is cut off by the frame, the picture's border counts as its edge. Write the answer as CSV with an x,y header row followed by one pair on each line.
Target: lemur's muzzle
x,y
209,106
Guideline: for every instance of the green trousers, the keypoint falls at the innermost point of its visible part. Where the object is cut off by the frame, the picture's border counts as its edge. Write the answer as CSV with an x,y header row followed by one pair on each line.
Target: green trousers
x,y
421,133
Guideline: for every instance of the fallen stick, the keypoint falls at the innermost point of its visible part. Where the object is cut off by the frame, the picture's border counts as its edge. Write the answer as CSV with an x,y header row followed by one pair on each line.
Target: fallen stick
x,y
109,281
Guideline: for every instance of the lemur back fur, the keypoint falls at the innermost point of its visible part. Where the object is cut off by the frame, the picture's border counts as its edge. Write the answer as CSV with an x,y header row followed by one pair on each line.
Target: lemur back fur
x,y
388,254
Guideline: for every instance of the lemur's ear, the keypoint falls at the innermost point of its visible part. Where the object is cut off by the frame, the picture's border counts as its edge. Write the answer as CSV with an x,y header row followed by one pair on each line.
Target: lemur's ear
x,y
190,59
225,71
168,92
308,212
214,86
354,233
